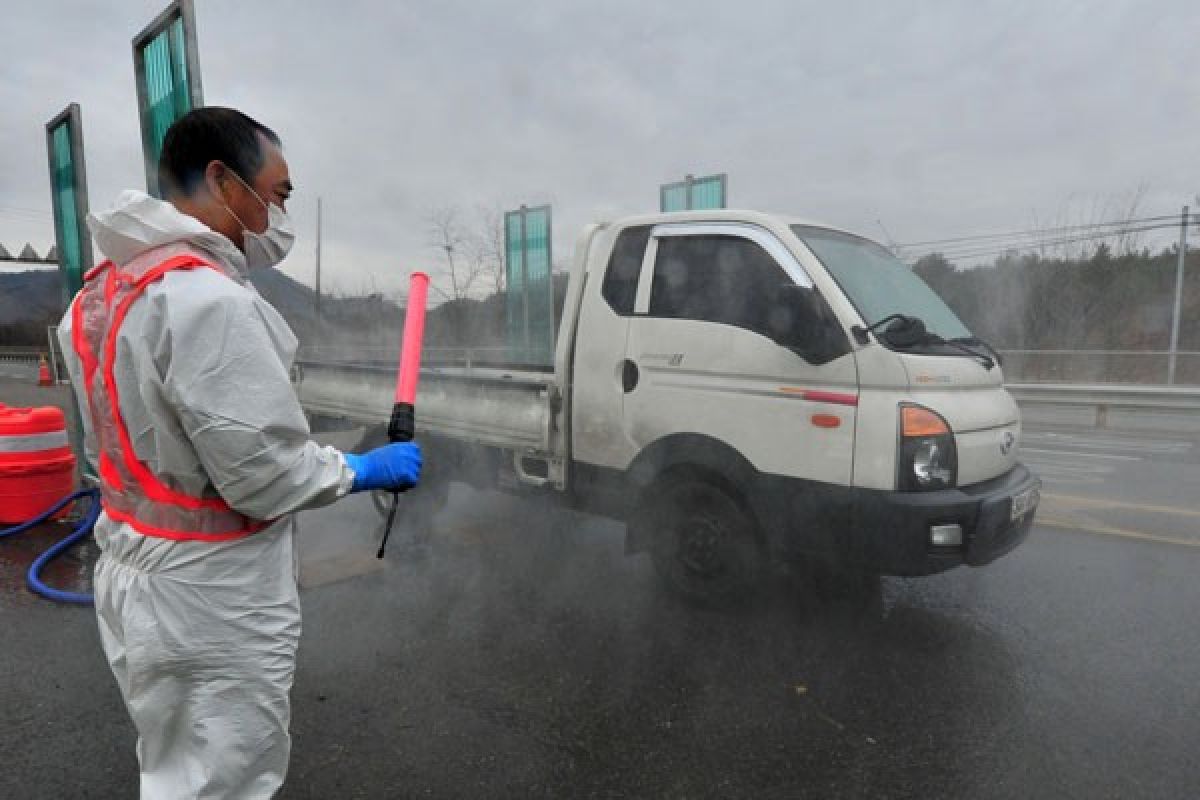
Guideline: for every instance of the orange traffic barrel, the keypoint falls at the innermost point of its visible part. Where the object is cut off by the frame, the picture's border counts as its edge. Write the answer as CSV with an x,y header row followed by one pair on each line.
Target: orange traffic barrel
x,y
37,468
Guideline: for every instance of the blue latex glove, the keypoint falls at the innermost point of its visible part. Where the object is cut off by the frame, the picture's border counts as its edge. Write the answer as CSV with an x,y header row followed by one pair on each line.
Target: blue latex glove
x,y
393,467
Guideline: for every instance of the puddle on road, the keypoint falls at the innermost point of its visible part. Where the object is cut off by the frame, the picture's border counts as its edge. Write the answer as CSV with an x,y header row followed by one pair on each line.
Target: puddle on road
x,y
71,571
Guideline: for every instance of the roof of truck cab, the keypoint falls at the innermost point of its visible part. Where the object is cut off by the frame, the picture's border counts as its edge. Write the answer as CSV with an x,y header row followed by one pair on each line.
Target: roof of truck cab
x,y
725,215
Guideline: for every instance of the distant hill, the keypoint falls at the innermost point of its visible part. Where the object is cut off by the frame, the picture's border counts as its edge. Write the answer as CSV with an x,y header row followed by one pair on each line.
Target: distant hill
x,y
31,296
31,300
370,325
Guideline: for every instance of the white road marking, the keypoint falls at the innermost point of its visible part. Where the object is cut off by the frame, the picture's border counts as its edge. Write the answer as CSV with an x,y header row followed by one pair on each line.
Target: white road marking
x,y
1067,477
1101,502
1105,530
1071,454
1157,446
1067,469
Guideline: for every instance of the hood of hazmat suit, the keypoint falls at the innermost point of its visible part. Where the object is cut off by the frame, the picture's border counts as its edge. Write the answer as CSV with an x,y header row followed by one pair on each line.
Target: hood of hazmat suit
x,y
202,635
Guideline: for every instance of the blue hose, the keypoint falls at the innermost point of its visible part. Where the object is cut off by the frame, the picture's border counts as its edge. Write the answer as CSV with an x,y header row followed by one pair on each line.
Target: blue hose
x,y
33,578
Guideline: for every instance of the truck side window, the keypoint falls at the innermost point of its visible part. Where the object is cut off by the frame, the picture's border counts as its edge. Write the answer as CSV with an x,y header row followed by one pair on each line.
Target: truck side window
x,y
624,267
733,281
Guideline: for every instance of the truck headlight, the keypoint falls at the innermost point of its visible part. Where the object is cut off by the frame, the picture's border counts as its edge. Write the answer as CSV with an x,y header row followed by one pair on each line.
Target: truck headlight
x,y
928,458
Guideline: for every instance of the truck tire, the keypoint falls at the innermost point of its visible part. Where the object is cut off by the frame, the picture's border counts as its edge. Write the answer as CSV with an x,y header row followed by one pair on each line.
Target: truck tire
x,y
704,543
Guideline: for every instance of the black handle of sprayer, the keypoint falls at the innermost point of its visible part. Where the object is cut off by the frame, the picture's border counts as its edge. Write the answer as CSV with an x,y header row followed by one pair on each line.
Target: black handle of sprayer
x,y
401,428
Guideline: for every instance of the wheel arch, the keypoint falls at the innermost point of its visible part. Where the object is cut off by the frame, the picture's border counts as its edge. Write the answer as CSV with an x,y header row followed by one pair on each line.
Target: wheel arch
x,y
682,455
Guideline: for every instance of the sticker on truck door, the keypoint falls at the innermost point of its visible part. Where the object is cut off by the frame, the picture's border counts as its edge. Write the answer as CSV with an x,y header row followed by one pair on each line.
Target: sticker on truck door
x,y
671,359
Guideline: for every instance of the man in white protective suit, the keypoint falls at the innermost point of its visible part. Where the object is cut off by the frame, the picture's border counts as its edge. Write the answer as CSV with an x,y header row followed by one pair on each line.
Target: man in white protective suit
x,y
203,454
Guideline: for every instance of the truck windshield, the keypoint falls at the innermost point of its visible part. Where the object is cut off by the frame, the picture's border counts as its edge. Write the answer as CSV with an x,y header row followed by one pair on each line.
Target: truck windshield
x,y
878,283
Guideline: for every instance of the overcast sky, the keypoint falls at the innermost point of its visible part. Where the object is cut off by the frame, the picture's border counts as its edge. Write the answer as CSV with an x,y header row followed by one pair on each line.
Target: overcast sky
x,y
938,119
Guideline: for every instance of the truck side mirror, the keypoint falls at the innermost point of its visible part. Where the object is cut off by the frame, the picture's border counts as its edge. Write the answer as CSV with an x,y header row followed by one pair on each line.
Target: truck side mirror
x,y
906,332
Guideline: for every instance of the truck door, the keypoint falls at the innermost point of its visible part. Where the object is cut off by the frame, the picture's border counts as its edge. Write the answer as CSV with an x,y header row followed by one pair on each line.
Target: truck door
x,y
730,340
600,373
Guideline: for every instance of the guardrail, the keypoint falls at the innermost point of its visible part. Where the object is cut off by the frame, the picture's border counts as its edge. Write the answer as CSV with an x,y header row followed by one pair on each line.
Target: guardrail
x,y
1133,367
1134,408
500,357
31,355
20,354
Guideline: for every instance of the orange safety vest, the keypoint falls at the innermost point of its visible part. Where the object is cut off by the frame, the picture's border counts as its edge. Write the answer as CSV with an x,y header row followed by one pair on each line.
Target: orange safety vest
x,y
129,491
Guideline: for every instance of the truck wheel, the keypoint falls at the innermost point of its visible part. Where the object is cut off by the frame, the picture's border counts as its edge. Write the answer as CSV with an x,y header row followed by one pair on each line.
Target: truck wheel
x,y
704,544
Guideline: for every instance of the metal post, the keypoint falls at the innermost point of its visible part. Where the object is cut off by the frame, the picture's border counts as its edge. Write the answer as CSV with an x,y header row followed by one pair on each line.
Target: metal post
x,y
191,52
689,200
177,9
550,279
318,287
51,331
143,94
525,282
72,117
1183,221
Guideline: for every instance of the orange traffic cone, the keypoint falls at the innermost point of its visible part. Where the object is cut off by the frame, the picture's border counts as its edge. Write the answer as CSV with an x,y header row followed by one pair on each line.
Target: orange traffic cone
x,y
44,378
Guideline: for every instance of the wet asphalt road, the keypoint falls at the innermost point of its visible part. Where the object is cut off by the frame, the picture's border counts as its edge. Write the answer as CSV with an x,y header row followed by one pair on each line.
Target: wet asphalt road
x,y
523,655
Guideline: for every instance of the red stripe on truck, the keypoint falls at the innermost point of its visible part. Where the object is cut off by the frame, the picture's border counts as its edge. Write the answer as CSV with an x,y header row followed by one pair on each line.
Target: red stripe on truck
x,y
837,398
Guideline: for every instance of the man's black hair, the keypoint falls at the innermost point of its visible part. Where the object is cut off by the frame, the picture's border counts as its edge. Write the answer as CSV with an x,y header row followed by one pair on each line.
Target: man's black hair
x,y
210,134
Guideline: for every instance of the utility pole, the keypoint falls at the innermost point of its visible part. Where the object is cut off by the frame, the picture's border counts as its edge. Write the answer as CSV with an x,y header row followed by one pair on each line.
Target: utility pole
x,y
1183,222
318,299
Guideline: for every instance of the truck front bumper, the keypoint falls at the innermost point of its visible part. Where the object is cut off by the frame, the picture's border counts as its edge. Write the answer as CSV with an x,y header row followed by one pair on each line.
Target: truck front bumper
x,y
891,531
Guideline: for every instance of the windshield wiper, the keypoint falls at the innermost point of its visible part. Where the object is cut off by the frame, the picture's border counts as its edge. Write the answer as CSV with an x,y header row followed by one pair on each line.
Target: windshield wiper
x,y
987,361
975,340
860,333
905,333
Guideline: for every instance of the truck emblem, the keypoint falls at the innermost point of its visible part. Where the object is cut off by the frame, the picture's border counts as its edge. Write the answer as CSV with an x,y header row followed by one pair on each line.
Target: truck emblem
x,y
1006,443
671,359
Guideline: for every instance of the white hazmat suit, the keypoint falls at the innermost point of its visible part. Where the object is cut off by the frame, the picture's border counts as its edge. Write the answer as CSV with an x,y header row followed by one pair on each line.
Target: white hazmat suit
x,y
202,636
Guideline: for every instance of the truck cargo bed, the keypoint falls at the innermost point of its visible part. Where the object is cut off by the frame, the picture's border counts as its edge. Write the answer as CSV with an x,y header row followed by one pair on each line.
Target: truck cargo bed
x,y
493,406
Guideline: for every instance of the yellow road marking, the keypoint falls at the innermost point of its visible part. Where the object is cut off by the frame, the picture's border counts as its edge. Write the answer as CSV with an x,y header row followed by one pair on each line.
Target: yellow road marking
x,y
1099,502
1124,533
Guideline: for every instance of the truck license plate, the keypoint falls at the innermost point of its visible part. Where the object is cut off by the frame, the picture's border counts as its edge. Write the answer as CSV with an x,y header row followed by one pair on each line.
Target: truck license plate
x,y
1025,502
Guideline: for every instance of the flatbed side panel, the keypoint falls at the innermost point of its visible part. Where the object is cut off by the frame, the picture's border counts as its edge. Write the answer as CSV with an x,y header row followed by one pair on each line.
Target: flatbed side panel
x,y
494,408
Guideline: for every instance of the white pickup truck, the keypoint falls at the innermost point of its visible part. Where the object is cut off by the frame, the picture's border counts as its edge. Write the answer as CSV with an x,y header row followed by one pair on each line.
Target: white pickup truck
x,y
738,387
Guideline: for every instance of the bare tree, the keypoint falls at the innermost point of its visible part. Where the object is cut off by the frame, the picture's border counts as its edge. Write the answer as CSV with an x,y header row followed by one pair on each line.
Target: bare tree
x,y
488,245
462,269
1129,240
1082,228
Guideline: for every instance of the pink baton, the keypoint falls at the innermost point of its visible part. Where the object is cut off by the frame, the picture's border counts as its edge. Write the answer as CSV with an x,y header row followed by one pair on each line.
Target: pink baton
x,y
402,426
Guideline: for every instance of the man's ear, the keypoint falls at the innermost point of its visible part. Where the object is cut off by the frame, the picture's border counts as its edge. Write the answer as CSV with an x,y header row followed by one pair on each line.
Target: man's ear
x,y
216,175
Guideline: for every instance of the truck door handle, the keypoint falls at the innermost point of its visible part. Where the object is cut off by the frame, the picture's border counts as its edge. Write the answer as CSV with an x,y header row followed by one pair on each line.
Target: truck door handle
x,y
629,376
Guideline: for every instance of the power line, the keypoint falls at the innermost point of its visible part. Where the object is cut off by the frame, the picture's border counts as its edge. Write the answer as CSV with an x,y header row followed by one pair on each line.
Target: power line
x,y
995,243
981,237
997,249
24,210
983,250
26,218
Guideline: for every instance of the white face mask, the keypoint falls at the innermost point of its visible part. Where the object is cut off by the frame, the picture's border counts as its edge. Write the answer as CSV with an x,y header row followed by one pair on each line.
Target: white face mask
x,y
268,248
